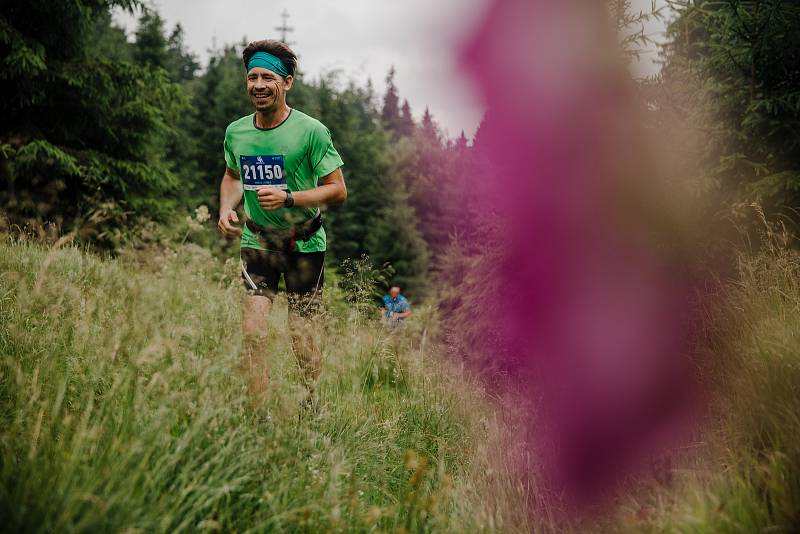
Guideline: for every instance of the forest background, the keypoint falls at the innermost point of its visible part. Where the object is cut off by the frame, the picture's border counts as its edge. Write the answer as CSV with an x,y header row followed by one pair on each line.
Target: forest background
x,y
117,138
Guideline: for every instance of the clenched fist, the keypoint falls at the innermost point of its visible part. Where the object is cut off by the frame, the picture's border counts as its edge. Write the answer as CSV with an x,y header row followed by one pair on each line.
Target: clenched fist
x,y
271,198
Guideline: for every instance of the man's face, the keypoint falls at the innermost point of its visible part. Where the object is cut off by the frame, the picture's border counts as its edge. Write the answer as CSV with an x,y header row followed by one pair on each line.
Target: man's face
x,y
394,292
267,89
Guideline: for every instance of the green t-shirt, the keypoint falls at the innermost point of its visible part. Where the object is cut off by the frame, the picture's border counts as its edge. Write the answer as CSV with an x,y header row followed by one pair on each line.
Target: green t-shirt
x,y
294,155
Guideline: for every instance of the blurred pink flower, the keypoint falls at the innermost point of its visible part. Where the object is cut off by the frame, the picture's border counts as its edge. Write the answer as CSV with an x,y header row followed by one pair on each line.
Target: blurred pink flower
x,y
593,305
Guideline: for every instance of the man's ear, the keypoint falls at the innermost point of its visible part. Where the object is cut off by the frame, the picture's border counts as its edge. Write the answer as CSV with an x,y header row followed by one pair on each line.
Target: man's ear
x,y
287,82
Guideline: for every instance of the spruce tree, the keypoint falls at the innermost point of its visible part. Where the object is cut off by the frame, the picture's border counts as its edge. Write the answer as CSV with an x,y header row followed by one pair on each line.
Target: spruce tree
x,y
84,137
429,128
735,66
407,124
479,141
181,63
150,48
390,114
461,142
219,97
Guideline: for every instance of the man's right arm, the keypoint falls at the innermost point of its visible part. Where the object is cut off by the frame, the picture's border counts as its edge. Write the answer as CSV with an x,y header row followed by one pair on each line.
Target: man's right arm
x,y
405,311
230,194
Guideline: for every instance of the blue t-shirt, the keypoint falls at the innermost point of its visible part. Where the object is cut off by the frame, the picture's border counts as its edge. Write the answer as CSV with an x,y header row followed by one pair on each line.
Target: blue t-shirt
x,y
398,305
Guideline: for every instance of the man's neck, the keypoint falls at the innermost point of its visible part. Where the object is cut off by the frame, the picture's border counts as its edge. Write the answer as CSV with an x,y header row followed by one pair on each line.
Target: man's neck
x,y
272,117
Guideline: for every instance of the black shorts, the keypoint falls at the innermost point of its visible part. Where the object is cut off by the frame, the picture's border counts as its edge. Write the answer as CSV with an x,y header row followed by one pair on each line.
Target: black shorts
x,y
303,273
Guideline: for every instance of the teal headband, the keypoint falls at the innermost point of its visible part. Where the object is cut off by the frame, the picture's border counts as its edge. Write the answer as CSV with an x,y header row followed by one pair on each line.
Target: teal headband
x,y
267,61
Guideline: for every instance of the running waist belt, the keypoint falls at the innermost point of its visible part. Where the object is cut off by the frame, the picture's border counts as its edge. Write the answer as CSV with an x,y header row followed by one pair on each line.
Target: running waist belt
x,y
285,239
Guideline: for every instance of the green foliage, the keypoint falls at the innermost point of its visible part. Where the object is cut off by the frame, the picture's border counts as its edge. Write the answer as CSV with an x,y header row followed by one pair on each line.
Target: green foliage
x,y
109,41
218,98
390,113
434,177
407,124
181,63
86,134
122,142
630,25
736,60
363,283
150,47
429,129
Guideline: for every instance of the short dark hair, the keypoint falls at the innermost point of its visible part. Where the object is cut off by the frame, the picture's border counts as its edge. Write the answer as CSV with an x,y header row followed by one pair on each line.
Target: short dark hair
x,y
278,49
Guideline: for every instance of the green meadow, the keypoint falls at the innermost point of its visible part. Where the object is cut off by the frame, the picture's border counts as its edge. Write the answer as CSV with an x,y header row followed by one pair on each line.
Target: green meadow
x,y
124,410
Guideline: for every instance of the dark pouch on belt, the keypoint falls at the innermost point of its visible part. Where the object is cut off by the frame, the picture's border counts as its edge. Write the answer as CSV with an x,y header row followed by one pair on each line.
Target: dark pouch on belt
x,y
285,239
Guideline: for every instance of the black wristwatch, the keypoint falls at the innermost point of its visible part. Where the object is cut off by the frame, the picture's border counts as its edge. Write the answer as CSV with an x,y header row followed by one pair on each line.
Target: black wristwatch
x,y
289,202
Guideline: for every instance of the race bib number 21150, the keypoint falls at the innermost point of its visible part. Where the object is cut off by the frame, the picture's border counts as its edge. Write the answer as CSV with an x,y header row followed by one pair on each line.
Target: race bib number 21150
x,y
258,171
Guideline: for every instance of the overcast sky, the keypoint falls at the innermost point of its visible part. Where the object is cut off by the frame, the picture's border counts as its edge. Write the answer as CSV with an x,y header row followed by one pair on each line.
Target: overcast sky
x,y
362,38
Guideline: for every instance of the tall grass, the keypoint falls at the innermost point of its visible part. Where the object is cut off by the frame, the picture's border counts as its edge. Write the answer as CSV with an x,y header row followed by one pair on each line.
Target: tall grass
x,y
742,472
123,410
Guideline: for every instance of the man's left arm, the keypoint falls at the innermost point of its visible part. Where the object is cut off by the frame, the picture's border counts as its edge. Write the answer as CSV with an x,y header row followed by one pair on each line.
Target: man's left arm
x,y
331,191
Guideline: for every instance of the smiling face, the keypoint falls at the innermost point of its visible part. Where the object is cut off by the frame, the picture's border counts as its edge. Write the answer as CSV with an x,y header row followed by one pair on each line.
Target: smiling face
x,y
267,89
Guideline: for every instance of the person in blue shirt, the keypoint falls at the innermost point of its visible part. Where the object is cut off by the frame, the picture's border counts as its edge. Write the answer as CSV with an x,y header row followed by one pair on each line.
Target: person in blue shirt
x,y
395,307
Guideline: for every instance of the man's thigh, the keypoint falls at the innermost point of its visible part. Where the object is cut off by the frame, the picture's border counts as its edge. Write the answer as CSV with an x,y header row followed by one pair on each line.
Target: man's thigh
x,y
261,271
305,276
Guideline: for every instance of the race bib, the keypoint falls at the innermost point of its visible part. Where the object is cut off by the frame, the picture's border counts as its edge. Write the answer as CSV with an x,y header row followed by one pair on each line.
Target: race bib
x,y
258,171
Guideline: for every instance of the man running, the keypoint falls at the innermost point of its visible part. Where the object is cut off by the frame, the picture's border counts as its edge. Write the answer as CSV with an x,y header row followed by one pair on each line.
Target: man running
x,y
284,164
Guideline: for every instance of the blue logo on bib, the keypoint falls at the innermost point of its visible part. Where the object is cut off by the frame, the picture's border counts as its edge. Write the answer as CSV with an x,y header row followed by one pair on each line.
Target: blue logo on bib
x,y
258,171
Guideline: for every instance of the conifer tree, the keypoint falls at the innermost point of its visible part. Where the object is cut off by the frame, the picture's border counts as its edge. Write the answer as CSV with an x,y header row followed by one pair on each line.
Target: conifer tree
x,y
220,97
461,142
110,41
181,63
479,140
150,48
429,129
84,137
407,124
390,114
735,65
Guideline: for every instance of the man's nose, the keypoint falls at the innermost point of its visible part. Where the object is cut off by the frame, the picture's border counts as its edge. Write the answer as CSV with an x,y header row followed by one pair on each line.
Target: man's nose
x,y
260,84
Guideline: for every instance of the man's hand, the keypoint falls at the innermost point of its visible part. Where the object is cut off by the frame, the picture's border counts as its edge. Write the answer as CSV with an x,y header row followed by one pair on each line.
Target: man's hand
x,y
271,198
227,224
